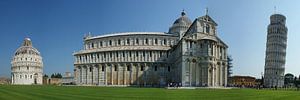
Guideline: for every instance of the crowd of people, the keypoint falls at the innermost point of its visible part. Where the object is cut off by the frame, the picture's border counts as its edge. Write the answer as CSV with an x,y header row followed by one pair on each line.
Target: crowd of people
x,y
174,84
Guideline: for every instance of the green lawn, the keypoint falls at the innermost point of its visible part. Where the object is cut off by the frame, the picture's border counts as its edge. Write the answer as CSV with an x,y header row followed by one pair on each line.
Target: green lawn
x,y
12,92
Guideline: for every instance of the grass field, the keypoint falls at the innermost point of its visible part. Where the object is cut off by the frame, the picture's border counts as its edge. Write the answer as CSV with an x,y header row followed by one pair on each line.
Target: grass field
x,y
9,92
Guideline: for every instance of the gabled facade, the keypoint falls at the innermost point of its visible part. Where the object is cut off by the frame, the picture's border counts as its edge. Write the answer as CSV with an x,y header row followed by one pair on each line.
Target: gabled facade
x,y
200,56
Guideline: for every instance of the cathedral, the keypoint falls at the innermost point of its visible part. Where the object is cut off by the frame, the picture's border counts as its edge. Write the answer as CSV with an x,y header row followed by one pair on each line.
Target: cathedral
x,y
190,54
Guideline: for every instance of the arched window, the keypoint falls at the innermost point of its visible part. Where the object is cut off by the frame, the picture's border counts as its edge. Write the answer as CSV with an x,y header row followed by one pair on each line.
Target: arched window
x,y
146,41
128,41
137,53
100,43
142,68
103,68
116,68
128,68
110,42
207,28
137,41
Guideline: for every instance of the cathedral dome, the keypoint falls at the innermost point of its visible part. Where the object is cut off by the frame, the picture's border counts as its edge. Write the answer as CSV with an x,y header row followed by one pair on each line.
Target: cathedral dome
x,y
183,20
181,25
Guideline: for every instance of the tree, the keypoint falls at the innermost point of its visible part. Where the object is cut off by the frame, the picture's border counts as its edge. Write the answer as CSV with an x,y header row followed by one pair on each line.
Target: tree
x,y
56,75
46,76
229,66
295,81
262,80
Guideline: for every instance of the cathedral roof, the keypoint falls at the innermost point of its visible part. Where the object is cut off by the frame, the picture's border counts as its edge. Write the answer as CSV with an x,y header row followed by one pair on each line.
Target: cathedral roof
x,y
208,19
129,33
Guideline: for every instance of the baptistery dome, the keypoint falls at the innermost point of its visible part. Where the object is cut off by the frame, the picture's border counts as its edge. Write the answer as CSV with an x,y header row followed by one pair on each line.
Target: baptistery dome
x,y
27,65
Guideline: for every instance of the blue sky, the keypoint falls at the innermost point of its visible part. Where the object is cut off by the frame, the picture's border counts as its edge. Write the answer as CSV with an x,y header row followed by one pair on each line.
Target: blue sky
x,y
57,27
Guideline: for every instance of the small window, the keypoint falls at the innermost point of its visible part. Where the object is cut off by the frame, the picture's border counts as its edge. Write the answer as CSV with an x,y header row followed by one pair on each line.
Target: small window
x,y
150,54
146,41
142,68
31,76
137,41
128,68
129,53
91,69
155,41
160,53
116,68
165,42
123,54
207,29
103,68
144,53
27,68
100,43
169,68
128,41
155,68
110,42
119,42
137,53
25,76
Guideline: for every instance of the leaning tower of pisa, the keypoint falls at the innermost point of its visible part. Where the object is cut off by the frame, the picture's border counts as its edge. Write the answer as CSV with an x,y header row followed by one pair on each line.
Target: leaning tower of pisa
x,y
275,51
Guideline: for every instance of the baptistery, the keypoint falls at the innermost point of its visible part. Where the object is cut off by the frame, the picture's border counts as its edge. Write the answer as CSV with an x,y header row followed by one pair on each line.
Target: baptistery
x,y
27,65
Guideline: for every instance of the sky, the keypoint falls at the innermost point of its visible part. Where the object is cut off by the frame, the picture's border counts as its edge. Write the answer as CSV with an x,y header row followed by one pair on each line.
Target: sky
x,y
57,27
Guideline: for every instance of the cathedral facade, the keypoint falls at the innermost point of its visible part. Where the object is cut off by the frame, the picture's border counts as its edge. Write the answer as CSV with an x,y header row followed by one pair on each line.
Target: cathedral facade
x,y
190,54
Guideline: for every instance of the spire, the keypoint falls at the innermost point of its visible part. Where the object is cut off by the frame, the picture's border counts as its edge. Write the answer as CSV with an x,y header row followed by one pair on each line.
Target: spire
x,y
27,42
275,10
183,13
206,11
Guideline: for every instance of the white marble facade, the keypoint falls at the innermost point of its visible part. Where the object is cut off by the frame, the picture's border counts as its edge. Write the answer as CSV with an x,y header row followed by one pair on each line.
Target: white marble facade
x,y
275,52
27,65
190,54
